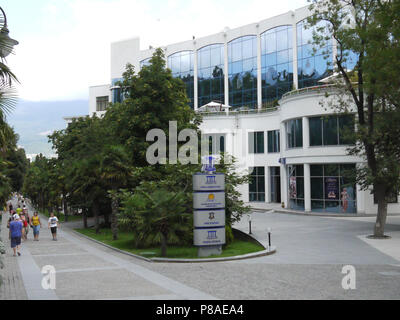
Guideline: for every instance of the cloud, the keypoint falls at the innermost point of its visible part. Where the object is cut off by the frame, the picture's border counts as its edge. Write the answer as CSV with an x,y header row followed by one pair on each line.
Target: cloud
x,y
45,133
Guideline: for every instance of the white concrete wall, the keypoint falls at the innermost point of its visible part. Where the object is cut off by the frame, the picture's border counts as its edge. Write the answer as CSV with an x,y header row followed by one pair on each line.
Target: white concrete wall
x,y
97,91
123,52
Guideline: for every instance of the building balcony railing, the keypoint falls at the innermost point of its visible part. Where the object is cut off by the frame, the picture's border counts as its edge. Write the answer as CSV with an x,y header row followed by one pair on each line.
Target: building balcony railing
x,y
307,90
239,112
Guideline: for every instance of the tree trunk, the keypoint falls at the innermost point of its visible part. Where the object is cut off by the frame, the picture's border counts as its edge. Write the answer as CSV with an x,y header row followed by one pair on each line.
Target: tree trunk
x,y
114,217
42,202
95,208
380,194
84,213
65,205
106,219
163,245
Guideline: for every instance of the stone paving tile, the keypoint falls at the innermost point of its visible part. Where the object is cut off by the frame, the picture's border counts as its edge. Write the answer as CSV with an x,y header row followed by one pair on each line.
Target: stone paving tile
x,y
12,287
105,284
72,262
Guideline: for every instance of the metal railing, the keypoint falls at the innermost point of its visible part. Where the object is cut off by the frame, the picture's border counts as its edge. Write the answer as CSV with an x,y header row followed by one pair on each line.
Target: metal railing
x,y
314,89
239,112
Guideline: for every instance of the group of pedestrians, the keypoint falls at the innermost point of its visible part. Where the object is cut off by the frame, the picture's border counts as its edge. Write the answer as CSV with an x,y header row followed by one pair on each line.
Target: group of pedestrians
x,y
19,223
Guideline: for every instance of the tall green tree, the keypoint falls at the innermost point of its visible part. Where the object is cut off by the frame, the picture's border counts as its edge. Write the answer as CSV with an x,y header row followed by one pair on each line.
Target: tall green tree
x,y
79,148
115,172
369,31
151,99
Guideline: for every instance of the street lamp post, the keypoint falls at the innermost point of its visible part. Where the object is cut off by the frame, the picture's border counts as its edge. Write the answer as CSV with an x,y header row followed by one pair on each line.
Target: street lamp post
x,y
6,43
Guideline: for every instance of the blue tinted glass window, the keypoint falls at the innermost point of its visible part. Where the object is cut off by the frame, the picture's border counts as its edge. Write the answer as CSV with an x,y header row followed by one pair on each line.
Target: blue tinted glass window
x,y
282,40
351,60
236,52
145,62
116,94
185,63
182,66
282,56
242,55
248,65
314,63
276,56
211,74
270,59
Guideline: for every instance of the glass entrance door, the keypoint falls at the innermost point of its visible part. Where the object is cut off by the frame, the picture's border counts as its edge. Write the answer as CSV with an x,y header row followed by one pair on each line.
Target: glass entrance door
x,y
275,181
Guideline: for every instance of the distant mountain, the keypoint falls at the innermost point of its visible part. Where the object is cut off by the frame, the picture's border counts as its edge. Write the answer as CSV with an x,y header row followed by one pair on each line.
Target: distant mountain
x,y
33,121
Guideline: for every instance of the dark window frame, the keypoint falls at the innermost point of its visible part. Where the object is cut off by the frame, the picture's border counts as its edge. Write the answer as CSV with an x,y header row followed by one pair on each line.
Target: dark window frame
x,y
102,103
258,176
292,138
254,147
273,141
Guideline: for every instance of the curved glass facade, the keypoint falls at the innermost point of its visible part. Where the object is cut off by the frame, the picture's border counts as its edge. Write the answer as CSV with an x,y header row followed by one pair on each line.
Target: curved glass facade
x,y
242,72
145,62
331,130
312,63
182,66
276,62
210,61
116,94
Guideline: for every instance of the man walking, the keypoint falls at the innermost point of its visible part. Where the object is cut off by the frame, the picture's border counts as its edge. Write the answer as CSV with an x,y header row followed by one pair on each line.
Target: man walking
x,y
16,234
53,224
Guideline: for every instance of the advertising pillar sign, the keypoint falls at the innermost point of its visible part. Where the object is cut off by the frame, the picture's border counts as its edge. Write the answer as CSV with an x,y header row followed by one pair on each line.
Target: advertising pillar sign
x,y
209,212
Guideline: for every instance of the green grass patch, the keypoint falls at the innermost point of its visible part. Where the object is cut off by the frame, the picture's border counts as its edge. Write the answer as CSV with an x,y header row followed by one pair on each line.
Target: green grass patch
x,y
126,243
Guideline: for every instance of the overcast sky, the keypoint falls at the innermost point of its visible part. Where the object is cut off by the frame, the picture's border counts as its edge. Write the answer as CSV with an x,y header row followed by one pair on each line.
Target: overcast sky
x,y
64,45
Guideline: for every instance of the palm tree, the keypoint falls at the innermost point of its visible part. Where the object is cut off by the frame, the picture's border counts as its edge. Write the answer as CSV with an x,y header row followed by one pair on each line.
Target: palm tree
x,y
157,216
8,97
115,172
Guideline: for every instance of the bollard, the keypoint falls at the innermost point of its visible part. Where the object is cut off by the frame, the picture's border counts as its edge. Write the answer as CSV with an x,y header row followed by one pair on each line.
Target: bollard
x,y
269,238
249,217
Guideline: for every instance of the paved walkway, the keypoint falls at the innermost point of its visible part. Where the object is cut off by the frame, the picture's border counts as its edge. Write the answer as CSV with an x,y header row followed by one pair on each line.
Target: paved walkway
x,y
304,239
85,270
308,265
12,287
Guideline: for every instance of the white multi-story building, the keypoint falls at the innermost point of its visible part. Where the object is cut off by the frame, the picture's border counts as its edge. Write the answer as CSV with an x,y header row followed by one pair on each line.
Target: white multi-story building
x,y
295,153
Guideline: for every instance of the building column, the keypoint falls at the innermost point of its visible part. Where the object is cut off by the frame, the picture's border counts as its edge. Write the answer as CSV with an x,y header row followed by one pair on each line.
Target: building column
x,y
284,178
360,194
306,133
259,83
282,138
295,64
307,188
284,186
195,75
226,75
230,143
267,185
